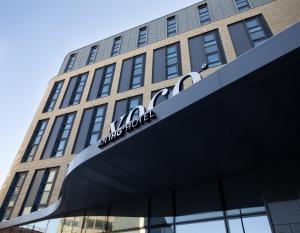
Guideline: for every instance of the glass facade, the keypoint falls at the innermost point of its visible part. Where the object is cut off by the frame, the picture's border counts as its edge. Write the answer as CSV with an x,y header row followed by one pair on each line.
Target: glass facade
x,y
70,63
142,40
256,31
242,5
53,96
212,49
116,46
78,89
172,61
171,26
96,125
92,55
137,74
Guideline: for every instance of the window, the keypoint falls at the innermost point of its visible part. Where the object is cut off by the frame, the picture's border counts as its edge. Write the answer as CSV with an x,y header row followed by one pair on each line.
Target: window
x,y
102,82
116,46
137,75
35,141
142,40
63,135
39,191
206,49
92,55
211,49
70,63
249,33
166,63
242,5
172,61
53,96
132,73
45,189
78,89
162,98
12,195
124,106
204,14
105,86
255,31
171,26
96,125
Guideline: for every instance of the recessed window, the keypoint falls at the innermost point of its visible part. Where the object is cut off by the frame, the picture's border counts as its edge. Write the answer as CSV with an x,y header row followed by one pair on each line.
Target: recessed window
x,y
105,86
53,96
92,55
172,61
78,89
255,31
211,49
204,14
96,125
63,135
12,195
116,46
137,73
242,5
70,63
171,26
35,141
142,40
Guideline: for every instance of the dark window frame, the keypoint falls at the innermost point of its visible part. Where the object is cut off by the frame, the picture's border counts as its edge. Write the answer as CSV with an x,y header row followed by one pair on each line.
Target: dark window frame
x,y
92,55
75,90
70,64
60,134
142,41
207,21
244,8
116,40
36,131
143,55
170,31
10,192
57,86
100,90
178,63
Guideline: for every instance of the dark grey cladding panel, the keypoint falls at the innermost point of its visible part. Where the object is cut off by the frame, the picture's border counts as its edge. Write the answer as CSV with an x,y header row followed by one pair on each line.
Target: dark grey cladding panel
x,y
96,84
68,94
220,46
256,3
120,108
240,39
83,130
220,9
52,138
34,188
124,83
197,53
159,65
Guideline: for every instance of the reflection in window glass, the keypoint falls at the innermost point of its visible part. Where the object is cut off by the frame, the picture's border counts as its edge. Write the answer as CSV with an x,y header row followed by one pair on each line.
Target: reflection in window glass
x,y
235,225
213,226
258,224
168,229
52,226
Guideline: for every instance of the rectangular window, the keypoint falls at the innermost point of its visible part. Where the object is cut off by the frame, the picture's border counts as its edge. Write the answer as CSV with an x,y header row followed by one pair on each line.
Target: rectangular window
x,y
142,40
172,61
63,135
102,82
35,141
166,63
106,81
96,125
78,89
204,14
171,26
39,191
116,46
242,5
46,187
255,31
53,96
92,55
249,33
124,106
70,63
12,195
211,49
137,74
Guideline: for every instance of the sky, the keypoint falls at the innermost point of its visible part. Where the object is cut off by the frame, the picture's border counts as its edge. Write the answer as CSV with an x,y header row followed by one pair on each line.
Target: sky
x,y
35,36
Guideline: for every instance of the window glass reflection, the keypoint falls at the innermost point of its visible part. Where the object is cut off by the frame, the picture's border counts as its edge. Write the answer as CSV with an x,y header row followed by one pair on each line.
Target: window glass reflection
x,y
213,226
52,226
167,229
258,224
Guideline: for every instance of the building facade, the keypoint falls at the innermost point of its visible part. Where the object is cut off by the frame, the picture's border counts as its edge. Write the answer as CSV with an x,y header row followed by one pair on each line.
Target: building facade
x,y
99,83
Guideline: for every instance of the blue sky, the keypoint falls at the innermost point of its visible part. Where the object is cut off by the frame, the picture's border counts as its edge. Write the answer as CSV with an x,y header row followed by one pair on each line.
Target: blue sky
x,y
34,38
